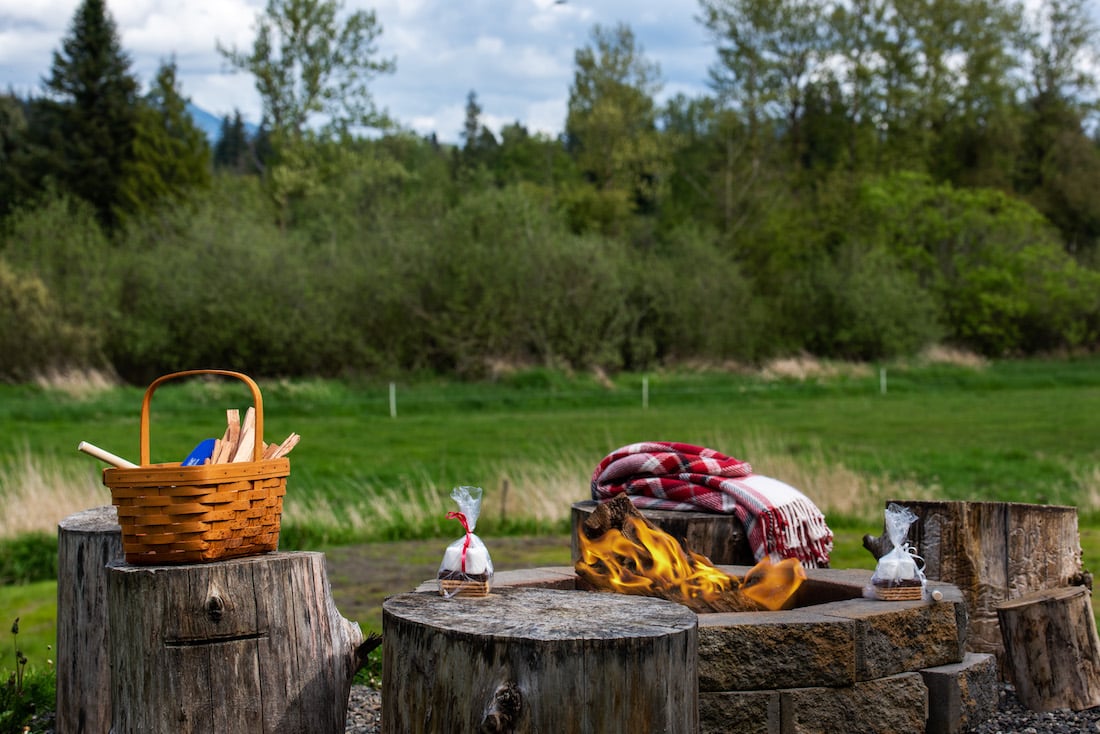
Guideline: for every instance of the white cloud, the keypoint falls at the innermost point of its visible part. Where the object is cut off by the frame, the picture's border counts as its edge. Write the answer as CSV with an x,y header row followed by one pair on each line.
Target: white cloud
x,y
547,116
491,45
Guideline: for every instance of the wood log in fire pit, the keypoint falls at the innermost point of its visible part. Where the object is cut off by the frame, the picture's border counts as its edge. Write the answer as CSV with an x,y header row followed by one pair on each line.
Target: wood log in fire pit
x,y
621,551
719,537
538,660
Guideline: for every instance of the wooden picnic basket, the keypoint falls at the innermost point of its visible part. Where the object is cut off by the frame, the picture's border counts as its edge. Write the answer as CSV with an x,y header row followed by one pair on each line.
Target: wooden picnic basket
x,y
192,514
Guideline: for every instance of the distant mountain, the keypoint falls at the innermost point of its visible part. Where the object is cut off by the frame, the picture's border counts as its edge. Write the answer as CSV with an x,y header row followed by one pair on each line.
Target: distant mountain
x,y
211,124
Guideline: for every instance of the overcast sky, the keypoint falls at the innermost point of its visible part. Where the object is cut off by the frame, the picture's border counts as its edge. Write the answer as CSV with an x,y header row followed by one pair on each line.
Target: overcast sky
x,y
517,55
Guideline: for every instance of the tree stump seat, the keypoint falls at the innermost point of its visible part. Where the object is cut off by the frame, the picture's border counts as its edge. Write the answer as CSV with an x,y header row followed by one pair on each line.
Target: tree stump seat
x,y
538,660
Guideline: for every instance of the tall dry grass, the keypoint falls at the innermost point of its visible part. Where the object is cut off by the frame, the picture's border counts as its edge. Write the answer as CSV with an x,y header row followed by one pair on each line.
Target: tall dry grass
x,y
76,383
544,492
38,494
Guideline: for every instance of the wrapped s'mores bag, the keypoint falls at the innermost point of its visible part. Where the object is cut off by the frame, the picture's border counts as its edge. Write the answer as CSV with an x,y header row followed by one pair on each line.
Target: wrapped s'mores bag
x,y
899,575
466,569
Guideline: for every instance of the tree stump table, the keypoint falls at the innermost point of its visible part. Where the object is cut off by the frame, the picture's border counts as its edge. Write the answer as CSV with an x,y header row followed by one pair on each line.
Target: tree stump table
x,y
994,552
249,645
538,660
719,537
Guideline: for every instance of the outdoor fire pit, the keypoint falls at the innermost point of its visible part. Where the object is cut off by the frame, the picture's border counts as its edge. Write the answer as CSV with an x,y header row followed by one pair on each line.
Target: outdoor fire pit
x,y
835,662
778,648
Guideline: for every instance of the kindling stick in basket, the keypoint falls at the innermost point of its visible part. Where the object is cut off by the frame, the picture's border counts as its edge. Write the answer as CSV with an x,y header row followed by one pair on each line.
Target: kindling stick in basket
x,y
107,456
199,513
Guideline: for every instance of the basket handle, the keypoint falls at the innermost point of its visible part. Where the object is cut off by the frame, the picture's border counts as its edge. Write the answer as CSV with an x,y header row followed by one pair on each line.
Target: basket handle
x,y
257,402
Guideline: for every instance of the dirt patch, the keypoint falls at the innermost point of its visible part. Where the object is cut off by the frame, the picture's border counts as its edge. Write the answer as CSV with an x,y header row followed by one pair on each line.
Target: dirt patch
x,y
362,576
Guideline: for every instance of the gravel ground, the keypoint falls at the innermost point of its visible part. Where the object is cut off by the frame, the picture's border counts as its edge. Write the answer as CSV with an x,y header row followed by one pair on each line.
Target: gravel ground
x,y
1013,718
365,717
364,711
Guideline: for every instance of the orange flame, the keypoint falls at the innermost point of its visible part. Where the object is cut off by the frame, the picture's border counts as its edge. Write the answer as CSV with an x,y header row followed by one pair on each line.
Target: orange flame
x,y
772,585
657,565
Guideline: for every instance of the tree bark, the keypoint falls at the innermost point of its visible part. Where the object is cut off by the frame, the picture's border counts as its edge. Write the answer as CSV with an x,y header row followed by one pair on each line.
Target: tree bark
x,y
538,660
86,542
248,645
994,552
1052,649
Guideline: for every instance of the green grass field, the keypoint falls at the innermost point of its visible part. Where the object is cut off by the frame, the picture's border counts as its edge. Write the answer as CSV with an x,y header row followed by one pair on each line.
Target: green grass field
x,y
1007,431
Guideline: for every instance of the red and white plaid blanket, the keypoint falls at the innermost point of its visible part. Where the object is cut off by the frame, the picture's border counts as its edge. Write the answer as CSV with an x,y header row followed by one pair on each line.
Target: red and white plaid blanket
x,y
780,521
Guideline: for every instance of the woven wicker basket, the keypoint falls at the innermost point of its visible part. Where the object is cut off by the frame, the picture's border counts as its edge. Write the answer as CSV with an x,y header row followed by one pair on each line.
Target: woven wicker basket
x,y
192,514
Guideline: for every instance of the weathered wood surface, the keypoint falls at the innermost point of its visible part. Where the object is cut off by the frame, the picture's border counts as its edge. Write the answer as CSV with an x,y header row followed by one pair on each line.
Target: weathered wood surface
x,y
86,542
538,660
994,552
1051,648
721,538
248,645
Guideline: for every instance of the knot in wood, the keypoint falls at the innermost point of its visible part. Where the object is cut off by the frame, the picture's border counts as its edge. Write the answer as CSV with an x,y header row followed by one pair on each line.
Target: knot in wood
x,y
215,608
503,711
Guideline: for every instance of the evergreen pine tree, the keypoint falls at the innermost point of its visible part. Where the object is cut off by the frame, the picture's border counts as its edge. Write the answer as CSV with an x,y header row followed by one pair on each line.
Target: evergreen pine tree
x,y
232,151
170,154
95,109
14,151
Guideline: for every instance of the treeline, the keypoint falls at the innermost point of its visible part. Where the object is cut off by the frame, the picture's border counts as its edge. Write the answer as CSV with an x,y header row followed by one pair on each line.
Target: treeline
x,y
868,177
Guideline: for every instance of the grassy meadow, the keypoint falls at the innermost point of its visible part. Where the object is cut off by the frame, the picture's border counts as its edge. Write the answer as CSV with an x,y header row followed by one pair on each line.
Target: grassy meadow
x,y
369,470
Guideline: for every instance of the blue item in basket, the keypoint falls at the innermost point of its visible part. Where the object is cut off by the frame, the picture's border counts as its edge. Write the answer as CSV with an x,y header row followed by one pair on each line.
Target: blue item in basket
x,y
201,453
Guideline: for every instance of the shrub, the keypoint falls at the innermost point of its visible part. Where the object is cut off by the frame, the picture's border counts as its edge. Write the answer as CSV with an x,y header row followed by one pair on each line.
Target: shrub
x,y
59,240
27,558
1003,281
34,335
695,301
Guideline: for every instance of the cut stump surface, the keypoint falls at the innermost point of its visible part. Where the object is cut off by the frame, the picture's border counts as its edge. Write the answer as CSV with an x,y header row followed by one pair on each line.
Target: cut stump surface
x,y
538,660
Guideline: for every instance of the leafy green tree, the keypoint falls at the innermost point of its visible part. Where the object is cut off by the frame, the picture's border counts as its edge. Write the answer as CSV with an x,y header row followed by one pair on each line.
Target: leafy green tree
x,y
310,63
96,111
768,51
611,122
1061,50
826,127
1002,279
981,141
859,35
1059,169
1059,173
537,159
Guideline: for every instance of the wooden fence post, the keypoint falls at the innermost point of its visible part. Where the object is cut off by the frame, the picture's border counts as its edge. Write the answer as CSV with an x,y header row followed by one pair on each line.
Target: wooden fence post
x,y
86,542
250,645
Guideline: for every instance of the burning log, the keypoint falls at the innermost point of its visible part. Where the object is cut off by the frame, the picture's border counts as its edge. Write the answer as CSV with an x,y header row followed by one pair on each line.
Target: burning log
x,y
622,551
